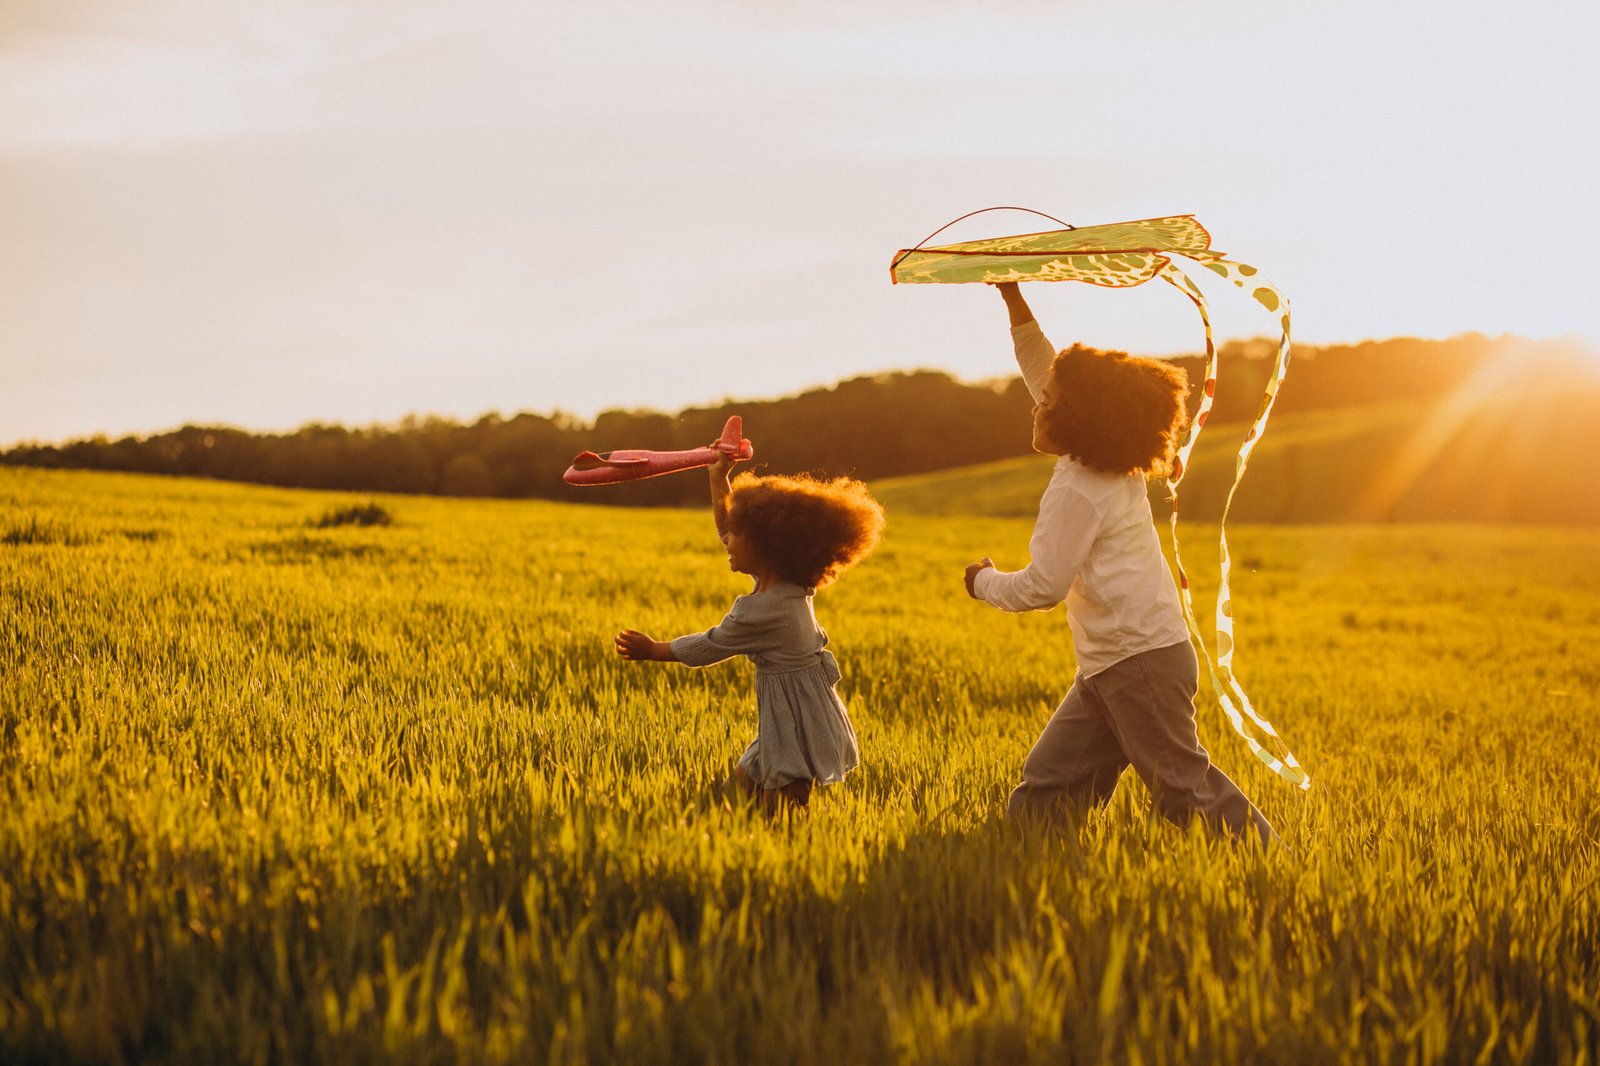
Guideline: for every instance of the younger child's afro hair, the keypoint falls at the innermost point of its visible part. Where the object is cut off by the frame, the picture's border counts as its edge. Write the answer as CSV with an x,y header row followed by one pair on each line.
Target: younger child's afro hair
x,y
809,530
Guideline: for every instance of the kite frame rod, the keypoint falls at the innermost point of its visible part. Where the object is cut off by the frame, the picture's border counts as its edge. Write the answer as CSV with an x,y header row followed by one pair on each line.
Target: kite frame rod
x,y
968,215
1031,253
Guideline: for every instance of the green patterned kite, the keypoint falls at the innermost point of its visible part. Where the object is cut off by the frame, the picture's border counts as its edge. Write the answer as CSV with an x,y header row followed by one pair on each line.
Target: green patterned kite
x,y
1120,255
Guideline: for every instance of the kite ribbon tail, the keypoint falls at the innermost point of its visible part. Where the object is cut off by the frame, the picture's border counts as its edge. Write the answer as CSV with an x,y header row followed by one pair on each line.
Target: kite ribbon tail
x,y
1230,694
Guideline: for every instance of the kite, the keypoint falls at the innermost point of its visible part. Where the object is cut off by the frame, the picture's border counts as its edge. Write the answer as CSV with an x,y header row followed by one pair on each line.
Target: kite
x,y
1121,255
634,464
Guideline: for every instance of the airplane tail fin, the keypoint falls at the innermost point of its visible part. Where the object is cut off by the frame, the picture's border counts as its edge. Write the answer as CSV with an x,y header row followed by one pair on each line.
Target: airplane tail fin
x,y
732,441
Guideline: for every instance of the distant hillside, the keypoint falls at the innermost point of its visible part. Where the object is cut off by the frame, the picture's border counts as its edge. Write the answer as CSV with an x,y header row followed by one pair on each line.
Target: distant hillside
x,y
1376,430
1517,456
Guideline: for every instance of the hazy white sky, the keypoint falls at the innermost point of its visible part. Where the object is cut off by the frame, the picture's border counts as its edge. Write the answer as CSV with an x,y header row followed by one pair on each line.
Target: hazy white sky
x,y
351,210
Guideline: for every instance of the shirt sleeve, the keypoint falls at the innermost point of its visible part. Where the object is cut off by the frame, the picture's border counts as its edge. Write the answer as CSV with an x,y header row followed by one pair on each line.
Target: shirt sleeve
x,y
1034,356
743,631
1067,526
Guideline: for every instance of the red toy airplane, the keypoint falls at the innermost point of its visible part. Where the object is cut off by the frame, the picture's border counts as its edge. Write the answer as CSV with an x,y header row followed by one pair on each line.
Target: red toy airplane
x,y
634,464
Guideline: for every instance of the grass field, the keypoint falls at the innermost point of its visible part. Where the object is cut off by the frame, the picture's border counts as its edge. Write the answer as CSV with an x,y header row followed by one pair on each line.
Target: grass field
x,y
281,793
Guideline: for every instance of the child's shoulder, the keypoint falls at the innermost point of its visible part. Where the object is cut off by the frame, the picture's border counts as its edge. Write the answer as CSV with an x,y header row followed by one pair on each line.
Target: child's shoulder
x,y
1078,477
775,599
778,592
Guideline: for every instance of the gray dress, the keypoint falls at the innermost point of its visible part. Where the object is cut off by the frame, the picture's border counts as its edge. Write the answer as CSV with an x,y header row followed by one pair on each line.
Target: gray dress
x,y
803,731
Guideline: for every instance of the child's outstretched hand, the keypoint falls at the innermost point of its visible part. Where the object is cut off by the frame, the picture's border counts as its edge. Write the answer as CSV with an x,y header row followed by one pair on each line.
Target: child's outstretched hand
x,y
635,647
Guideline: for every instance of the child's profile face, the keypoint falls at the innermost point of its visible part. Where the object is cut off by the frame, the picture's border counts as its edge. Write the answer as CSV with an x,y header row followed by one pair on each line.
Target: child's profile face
x,y
742,556
1042,412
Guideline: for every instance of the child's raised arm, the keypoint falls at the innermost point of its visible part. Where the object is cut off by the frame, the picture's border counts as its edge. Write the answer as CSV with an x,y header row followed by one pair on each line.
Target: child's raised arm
x,y
718,473
1021,314
1033,348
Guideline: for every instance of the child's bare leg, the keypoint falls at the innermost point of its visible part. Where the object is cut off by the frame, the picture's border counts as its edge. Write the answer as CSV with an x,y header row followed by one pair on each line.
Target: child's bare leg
x,y
789,800
746,784
797,792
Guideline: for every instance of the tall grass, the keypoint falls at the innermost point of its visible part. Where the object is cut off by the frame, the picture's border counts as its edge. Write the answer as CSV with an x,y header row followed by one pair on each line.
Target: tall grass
x,y
277,792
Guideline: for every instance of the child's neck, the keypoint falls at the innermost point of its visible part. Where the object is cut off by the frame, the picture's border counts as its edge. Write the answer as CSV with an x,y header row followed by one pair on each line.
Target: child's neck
x,y
765,581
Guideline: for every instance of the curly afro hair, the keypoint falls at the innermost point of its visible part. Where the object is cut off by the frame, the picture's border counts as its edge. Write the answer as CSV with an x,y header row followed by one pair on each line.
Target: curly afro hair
x,y
809,530
1117,413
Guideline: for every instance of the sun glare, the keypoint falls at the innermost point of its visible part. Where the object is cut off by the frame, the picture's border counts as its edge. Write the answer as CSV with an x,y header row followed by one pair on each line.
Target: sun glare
x,y
1504,391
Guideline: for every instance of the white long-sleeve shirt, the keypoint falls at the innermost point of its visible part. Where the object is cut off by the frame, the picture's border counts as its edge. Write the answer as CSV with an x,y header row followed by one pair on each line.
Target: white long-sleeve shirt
x,y
1094,546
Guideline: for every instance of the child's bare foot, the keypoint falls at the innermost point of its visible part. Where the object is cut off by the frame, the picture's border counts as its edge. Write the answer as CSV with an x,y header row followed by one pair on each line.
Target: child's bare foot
x,y
792,800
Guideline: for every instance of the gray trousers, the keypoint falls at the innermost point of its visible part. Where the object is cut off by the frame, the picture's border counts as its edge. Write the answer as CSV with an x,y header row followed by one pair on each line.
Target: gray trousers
x,y
1139,712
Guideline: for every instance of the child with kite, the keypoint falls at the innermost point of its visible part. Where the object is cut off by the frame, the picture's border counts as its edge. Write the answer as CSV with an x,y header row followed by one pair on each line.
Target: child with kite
x,y
1112,420
792,535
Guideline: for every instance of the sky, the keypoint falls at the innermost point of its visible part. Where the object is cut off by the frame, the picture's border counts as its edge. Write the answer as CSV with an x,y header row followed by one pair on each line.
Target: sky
x,y
352,211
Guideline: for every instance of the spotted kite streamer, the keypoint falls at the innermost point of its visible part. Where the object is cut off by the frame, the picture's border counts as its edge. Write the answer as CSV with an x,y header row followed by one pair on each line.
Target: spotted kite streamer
x,y
1120,255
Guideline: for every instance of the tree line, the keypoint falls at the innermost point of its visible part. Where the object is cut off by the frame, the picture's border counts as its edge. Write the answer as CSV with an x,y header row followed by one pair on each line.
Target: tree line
x,y
870,427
